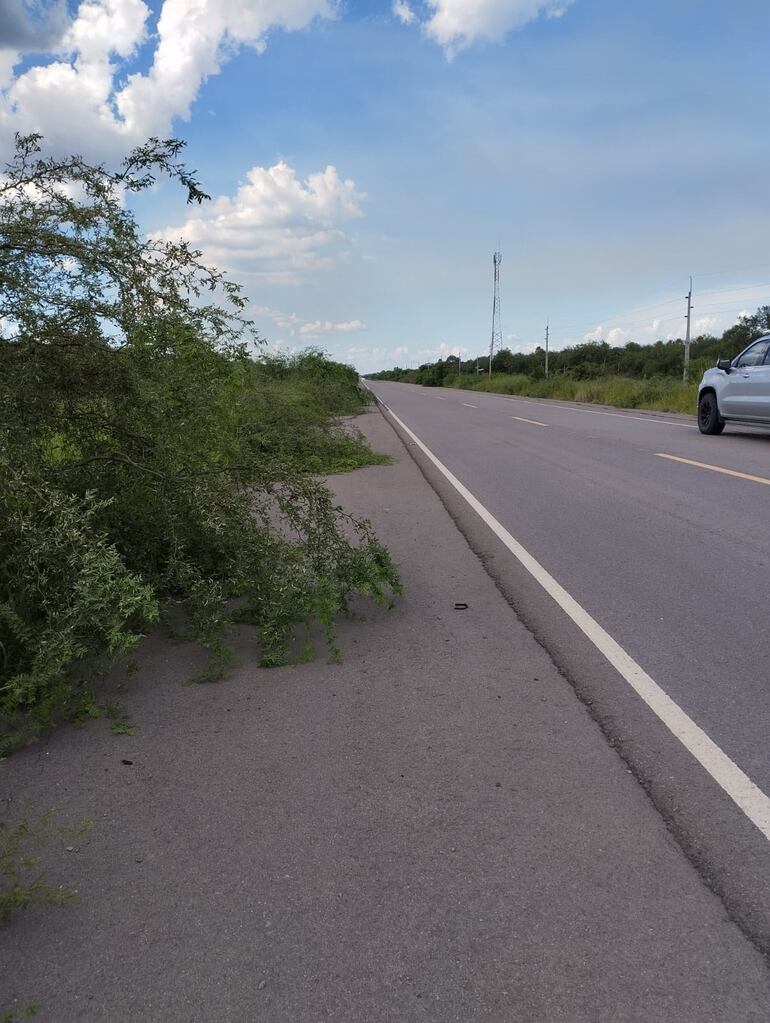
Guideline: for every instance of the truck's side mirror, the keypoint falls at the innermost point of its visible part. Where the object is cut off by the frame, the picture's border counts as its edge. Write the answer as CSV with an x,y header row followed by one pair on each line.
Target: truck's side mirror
x,y
725,364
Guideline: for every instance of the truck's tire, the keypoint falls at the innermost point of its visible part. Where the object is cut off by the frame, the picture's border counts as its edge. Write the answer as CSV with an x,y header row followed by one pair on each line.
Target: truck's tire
x,y
709,420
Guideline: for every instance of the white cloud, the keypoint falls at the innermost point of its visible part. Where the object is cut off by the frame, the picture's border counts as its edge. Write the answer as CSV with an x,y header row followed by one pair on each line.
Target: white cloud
x,y
28,25
704,325
86,85
355,351
194,38
440,351
8,59
314,328
617,336
523,347
455,24
403,12
306,330
275,226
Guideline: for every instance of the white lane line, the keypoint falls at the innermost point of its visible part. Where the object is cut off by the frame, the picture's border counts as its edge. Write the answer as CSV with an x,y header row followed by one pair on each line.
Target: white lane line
x,y
469,406
614,415
738,786
716,468
438,397
534,422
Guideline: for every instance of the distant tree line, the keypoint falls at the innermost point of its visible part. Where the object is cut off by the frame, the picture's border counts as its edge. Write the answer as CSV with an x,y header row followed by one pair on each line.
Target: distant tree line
x,y
595,359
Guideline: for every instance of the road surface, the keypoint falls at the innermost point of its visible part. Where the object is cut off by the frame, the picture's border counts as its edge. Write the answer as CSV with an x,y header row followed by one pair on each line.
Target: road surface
x,y
432,830
663,537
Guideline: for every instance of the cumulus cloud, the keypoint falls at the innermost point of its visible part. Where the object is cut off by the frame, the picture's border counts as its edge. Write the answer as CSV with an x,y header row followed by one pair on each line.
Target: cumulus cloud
x,y
455,24
314,328
403,12
195,37
28,26
520,347
275,226
441,351
704,325
616,336
306,330
89,82
597,334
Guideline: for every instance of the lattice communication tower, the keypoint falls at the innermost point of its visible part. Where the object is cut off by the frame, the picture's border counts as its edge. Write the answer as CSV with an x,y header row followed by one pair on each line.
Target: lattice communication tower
x,y
496,341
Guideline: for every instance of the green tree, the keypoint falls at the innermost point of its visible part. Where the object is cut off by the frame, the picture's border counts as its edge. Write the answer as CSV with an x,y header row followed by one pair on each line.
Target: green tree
x,y
145,455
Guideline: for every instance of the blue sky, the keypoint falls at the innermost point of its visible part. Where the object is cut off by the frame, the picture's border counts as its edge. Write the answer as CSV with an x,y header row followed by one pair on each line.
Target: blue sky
x,y
612,150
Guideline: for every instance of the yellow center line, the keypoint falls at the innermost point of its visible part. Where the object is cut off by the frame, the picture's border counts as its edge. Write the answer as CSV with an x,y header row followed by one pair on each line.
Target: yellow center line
x,y
716,468
534,422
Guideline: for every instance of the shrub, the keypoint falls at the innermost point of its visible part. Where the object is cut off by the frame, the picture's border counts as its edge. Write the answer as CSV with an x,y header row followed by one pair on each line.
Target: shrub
x,y
147,455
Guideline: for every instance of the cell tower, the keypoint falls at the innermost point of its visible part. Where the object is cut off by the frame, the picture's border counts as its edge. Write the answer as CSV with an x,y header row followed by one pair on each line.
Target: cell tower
x,y
496,341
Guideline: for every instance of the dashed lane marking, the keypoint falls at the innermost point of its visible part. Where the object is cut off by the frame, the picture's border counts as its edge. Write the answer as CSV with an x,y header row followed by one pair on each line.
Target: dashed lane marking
x,y
534,422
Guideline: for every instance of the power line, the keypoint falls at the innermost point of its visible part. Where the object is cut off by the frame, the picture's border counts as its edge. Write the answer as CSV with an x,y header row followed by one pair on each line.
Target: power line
x,y
731,270
622,318
726,291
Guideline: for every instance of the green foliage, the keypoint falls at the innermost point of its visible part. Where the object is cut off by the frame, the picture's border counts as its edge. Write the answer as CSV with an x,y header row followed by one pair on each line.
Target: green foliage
x,y
634,376
66,595
29,1011
622,392
22,884
147,456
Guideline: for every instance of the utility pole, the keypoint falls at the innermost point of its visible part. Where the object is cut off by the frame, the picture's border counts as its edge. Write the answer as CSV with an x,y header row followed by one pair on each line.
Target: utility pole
x,y
686,373
547,322
497,330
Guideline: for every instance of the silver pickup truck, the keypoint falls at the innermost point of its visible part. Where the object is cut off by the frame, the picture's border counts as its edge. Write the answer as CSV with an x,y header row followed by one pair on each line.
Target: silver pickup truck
x,y
737,390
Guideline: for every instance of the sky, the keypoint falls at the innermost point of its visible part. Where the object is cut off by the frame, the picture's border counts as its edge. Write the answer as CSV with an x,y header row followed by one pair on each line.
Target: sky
x,y
367,157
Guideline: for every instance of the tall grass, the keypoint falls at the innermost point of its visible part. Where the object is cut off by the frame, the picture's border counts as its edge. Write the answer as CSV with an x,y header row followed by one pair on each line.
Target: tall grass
x,y
659,394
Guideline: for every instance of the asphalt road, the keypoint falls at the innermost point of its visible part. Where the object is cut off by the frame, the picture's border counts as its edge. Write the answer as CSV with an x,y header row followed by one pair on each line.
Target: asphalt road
x,y
432,830
672,560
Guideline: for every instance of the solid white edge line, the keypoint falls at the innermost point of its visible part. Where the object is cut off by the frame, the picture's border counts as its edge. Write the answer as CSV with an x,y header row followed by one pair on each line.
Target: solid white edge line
x,y
738,786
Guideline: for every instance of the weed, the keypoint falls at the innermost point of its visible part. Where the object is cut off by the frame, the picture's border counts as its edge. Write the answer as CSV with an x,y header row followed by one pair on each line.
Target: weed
x,y
21,883
29,1011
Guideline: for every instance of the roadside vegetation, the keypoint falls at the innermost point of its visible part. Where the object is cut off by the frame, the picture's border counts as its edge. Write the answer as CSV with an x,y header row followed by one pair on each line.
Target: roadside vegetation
x,y
151,458
634,376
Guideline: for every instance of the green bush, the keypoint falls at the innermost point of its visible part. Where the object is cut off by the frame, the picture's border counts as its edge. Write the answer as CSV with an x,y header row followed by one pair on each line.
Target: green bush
x,y
148,456
660,394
